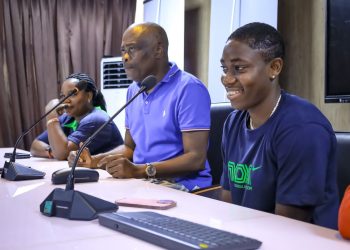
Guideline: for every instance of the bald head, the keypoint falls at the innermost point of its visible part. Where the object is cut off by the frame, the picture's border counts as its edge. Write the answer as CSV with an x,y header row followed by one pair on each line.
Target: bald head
x,y
150,30
144,50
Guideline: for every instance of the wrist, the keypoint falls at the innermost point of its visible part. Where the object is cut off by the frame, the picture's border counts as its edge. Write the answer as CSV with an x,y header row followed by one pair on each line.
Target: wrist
x,y
142,171
51,116
94,162
139,171
49,152
52,121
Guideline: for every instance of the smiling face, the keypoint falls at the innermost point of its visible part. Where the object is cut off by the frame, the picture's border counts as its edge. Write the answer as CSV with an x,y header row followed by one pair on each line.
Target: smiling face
x,y
79,104
246,76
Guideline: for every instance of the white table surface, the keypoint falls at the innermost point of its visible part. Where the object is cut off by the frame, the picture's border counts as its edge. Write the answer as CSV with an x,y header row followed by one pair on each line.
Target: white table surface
x,y
22,226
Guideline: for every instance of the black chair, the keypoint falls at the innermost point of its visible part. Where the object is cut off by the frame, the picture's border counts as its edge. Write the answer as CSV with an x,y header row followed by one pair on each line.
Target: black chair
x,y
218,115
343,161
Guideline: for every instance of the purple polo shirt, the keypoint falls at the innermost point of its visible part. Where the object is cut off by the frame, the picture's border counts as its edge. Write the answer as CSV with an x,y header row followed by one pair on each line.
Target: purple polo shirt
x,y
179,103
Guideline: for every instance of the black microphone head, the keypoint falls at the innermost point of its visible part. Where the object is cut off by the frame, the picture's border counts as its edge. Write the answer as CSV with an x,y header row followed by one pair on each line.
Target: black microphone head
x,y
149,82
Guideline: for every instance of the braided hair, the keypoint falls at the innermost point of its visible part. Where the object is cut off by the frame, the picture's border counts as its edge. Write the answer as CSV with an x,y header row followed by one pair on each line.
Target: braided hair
x,y
87,84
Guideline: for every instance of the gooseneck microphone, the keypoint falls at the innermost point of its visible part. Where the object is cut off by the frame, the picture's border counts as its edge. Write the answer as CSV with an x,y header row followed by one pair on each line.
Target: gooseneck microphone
x,y
14,171
148,83
75,205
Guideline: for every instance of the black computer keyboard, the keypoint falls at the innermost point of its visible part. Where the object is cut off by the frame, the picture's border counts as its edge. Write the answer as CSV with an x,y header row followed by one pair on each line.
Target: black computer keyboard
x,y
173,233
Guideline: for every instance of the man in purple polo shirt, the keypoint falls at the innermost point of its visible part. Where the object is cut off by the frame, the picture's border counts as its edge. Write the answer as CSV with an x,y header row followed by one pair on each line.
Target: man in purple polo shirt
x,y
167,128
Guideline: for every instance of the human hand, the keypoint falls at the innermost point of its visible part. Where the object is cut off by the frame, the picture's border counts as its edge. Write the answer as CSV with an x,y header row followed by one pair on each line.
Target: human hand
x,y
85,160
119,166
60,109
55,113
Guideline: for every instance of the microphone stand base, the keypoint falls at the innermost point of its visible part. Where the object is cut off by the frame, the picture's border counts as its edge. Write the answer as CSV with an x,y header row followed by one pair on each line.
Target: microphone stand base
x,y
74,205
14,171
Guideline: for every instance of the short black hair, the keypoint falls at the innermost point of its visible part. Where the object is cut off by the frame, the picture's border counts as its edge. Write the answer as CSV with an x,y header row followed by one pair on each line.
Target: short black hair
x,y
88,84
262,37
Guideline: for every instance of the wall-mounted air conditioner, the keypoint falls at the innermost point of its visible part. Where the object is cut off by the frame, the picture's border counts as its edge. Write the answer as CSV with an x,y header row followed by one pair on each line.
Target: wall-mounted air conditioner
x,y
114,85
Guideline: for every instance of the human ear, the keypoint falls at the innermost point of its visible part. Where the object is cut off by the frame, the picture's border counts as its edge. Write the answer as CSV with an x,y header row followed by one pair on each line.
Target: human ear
x,y
159,50
275,67
90,96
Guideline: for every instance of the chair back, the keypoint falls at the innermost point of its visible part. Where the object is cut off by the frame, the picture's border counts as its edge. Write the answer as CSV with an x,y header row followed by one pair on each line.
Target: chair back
x,y
218,115
343,161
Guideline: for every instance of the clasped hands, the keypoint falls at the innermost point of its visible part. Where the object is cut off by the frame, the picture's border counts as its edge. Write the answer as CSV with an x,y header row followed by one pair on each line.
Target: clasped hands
x,y
116,165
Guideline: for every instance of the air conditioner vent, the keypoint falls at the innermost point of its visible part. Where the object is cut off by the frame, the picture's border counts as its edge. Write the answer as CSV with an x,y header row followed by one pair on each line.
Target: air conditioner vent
x,y
114,75
114,87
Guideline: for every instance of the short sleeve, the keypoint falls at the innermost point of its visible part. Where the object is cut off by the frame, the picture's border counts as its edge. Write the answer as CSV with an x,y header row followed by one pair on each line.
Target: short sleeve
x,y
44,137
194,108
303,164
107,138
83,132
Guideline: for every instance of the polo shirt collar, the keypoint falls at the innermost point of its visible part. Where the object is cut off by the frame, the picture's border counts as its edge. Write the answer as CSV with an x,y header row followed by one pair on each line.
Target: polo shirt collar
x,y
172,71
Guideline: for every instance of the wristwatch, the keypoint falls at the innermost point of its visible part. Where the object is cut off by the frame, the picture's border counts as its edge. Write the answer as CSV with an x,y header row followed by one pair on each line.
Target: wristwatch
x,y
49,152
150,170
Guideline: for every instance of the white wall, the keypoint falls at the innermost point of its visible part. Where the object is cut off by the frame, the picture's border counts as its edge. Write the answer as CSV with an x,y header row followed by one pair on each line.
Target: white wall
x,y
225,16
170,14
221,19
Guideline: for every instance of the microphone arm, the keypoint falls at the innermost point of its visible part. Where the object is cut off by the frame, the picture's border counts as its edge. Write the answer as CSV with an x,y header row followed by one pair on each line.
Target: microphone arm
x,y
13,156
146,84
75,205
13,171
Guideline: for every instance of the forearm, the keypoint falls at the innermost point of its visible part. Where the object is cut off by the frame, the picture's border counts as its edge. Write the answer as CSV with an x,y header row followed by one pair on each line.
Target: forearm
x,y
294,212
192,160
122,149
39,149
58,141
181,165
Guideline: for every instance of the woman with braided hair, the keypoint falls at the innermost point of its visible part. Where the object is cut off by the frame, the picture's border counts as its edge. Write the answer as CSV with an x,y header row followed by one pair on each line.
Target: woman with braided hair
x,y
75,120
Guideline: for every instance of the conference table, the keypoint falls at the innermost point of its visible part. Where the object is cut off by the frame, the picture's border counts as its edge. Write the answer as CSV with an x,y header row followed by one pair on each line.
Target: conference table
x,y
22,226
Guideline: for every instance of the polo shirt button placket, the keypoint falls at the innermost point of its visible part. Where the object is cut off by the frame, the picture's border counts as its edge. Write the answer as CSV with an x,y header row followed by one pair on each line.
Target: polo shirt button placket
x,y
146,107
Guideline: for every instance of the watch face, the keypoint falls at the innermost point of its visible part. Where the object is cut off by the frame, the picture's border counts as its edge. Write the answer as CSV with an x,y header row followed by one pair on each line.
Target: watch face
x,y
150,170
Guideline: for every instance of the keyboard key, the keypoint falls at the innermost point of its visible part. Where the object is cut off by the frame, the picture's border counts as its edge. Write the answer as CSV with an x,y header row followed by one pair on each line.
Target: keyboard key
x,y
174,233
